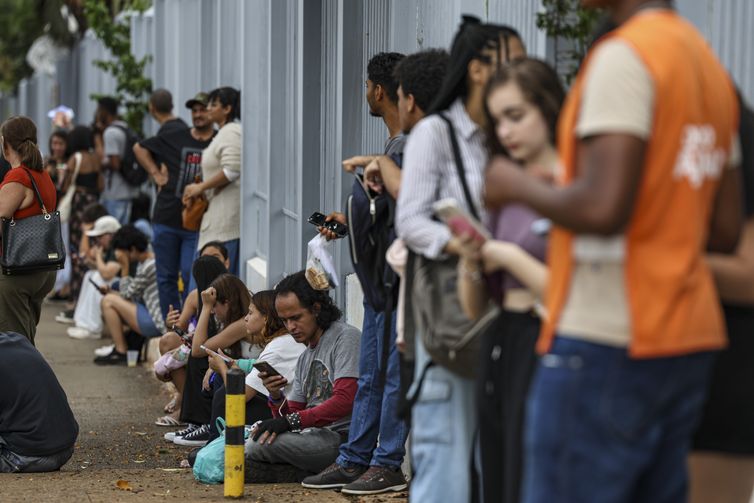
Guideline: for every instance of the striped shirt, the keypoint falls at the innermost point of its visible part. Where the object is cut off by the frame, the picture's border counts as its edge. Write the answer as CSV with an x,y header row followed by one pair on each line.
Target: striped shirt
x,y
142,288
430,174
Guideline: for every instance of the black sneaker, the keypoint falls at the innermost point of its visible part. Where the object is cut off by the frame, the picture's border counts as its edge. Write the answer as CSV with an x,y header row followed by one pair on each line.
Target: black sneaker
x,y
333,477
259,472
114,358
171,435
197,438
376,480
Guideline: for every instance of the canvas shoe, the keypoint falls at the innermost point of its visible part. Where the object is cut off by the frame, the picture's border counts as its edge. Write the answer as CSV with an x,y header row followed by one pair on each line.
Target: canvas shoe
x,y
82,333
197,438
333,477
65,317
113,358
104,350
376,480
172,435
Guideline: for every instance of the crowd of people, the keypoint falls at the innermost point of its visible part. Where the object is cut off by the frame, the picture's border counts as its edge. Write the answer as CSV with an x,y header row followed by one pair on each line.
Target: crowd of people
x,y
550,277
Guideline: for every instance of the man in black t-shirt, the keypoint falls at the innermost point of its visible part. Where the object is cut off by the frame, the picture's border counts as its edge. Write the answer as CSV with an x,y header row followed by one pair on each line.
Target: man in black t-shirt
x,y
173,158
37,428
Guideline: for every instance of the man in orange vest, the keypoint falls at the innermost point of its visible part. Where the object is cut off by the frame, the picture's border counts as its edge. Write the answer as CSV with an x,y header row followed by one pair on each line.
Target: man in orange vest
x,y
649,182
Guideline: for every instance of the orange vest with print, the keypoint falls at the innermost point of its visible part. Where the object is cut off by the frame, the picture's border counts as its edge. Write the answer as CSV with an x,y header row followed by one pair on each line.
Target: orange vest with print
x,y
672,301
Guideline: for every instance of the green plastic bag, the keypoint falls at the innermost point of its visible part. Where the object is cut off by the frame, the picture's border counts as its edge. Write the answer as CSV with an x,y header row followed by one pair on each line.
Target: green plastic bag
x,y
209,466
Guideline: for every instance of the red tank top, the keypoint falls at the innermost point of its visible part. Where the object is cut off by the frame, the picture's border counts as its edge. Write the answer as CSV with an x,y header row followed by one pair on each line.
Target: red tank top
x,y
44,183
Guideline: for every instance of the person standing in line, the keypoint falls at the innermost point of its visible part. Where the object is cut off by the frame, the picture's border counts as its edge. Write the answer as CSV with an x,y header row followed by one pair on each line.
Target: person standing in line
x,y
363,465
173,159
117,195
649,184
445,409
21,295
523,100
221,175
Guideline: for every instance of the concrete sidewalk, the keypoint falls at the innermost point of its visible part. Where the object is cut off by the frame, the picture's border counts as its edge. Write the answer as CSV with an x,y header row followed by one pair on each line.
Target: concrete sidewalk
x,y
116,408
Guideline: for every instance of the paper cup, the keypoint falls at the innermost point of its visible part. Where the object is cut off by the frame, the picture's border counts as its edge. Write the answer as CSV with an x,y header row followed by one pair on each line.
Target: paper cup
x,y
132,356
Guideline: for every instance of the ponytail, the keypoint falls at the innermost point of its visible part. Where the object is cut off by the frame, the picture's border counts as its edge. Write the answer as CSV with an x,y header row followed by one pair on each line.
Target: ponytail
x,y
20,134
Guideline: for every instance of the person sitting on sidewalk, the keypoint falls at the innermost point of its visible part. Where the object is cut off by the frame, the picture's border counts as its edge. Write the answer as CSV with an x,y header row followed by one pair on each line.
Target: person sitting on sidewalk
x,y
308,425
37,427
137,306
88,315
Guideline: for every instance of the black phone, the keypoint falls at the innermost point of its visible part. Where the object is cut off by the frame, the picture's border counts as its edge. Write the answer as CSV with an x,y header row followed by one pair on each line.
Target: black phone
x,y
338,228
317,219
266,368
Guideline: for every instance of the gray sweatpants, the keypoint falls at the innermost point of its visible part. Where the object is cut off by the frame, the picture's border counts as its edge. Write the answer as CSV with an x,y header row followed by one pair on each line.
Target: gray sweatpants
x,y
312,450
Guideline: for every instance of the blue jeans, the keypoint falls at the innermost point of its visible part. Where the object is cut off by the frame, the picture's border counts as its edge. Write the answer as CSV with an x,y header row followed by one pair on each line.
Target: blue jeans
x,y
375,408
10,462
118,208
442,440
174,251
232,247
604,427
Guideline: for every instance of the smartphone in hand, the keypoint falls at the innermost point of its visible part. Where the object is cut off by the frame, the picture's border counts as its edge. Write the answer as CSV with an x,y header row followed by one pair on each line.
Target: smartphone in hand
x,y
459,221
320,220
266,368
215,353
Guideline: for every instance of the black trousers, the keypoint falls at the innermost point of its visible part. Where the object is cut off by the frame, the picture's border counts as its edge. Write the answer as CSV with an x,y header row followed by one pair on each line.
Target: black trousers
x,y
196,407
256,409
508,360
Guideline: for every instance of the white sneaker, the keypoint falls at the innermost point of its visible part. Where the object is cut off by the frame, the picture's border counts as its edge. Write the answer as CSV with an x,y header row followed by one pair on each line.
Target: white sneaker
x,y
82,333
104,350
64,318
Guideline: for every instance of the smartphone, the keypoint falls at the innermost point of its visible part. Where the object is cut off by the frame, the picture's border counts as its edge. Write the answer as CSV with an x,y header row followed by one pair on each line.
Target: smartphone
x,y
459,221
212,352
266,368
317,219
338,228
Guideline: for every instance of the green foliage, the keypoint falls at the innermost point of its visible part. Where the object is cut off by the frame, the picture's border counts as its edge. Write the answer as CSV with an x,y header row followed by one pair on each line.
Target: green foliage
x,y
132,87
566,20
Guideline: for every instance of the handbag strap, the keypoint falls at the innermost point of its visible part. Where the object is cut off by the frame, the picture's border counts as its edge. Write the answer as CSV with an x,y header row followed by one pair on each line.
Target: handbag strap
x,y
78,156
459,166
36,191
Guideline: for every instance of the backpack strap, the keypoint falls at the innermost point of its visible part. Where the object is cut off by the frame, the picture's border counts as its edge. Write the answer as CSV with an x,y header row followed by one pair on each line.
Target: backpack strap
x,y
459,165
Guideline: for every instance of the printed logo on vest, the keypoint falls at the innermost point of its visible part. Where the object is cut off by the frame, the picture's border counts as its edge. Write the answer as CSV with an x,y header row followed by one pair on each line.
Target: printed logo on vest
x,y
698,159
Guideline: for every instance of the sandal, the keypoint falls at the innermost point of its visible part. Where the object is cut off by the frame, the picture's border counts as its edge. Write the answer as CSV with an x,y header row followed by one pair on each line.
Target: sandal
x,y
169,421
171,405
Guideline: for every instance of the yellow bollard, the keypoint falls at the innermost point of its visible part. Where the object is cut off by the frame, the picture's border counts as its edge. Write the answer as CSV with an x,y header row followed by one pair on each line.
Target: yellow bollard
x,y
235,417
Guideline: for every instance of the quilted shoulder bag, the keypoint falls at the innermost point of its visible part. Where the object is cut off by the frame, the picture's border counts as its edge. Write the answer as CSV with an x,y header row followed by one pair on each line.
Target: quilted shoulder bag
x,y
34,243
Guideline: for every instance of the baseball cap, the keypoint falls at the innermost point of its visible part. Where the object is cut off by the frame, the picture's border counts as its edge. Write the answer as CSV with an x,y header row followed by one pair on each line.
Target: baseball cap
x,y
104,225
200,98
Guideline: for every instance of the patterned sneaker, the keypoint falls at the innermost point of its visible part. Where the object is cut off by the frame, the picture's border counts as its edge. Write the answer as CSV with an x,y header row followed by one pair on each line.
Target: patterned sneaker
x,y
197,438
333,476
172,435
376,480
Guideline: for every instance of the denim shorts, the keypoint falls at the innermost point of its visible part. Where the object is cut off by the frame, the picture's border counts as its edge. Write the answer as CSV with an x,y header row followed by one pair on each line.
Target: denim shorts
x,y
145,321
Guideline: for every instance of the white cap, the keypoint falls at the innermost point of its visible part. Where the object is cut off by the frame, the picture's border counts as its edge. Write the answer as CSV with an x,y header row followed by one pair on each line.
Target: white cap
x,y
61,109
104,225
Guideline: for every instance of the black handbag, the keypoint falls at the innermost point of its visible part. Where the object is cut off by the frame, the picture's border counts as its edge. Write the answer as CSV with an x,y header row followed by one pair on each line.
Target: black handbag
x,y
34,243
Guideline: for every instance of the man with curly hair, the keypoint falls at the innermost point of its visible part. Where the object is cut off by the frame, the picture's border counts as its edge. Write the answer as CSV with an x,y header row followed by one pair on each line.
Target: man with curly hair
x,y
309,425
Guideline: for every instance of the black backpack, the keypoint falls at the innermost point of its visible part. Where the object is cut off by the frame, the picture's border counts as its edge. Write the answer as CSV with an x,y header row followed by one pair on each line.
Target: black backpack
x,y
130,169
370,233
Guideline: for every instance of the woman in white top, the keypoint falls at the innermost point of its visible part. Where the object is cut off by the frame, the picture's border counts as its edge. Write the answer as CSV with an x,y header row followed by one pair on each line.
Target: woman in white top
x,y
281,352
221,173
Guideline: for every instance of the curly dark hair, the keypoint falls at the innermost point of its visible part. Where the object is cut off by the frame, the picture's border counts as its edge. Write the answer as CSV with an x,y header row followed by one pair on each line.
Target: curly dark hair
x,y
309,298
380,71
129,237
80,139
421,74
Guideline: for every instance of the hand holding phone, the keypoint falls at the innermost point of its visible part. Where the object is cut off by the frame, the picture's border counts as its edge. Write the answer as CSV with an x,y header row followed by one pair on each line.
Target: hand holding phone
x,y
329,225
459,221
266,368
215,353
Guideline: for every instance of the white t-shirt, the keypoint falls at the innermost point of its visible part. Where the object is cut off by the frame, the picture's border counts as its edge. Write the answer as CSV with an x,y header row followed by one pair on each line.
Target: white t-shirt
x,y
282,353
